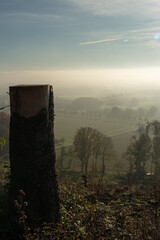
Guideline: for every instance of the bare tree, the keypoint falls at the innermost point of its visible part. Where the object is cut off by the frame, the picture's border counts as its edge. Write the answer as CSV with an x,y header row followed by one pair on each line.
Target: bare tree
x,y
96,150
83,144
106,152
60,159
70,155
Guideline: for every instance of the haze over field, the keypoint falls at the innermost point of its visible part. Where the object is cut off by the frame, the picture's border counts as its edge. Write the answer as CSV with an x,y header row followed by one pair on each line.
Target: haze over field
x,y
108,50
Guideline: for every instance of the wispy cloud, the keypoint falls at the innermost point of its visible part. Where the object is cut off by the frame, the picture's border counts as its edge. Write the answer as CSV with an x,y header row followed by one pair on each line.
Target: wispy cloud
x,y
148,29
148,44
137,37
99,41
32,16
120,7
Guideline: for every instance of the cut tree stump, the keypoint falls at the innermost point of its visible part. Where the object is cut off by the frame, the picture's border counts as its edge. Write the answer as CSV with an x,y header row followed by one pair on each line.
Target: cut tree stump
x,y
32,152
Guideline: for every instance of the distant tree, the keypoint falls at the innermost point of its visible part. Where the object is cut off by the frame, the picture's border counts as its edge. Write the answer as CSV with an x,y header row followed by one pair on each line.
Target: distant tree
x,y
152,111
118,167
89,143
70,154
129,157
87,103
96,150
141,128
106,152
116,112
83,144
62,140
142,153
138,152
153,128
60,159
59,141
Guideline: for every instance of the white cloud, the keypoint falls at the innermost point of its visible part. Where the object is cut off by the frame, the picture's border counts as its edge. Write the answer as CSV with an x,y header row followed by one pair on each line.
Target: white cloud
x,y
148,8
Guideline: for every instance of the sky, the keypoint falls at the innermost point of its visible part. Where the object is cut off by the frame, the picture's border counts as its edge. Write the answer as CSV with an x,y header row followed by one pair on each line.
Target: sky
x,y
68,36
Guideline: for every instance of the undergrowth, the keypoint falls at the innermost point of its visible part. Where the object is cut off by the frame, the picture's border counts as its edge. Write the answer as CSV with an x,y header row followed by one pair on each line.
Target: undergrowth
x,y
104,214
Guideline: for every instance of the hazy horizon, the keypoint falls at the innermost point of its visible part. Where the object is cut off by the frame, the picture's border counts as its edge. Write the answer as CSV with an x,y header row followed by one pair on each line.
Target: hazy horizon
x,y
112,79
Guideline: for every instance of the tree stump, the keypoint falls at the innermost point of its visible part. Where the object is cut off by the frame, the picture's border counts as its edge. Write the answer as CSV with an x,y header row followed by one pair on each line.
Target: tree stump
x,y
32,152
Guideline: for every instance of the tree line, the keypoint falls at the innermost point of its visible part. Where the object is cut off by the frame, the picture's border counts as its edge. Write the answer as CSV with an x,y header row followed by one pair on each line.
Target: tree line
x,y
114,112
92,148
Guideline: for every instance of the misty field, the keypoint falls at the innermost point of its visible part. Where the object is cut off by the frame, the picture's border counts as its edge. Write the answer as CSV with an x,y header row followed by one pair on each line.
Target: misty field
x,y
119,130
66,125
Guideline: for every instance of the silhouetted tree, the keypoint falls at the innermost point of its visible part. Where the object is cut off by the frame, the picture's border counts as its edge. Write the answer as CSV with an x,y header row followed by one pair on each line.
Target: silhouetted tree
x,y
60,159
116,112
70,154
154,129
83,144
96,150
106,152
138,152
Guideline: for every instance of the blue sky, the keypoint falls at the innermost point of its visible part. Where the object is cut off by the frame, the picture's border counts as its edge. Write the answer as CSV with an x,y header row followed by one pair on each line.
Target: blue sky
x,y
48,35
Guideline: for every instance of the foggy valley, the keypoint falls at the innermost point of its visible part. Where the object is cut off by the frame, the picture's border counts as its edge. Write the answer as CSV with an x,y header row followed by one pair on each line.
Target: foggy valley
x,y
117,112
79,120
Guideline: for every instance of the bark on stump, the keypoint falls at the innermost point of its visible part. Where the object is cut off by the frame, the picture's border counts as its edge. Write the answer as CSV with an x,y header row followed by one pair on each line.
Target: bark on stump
x,y
32,152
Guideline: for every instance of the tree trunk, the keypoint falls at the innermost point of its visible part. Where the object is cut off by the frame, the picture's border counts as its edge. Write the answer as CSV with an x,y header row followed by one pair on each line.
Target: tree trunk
x,y
86,166
32,152
103,168
95,166
82,165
